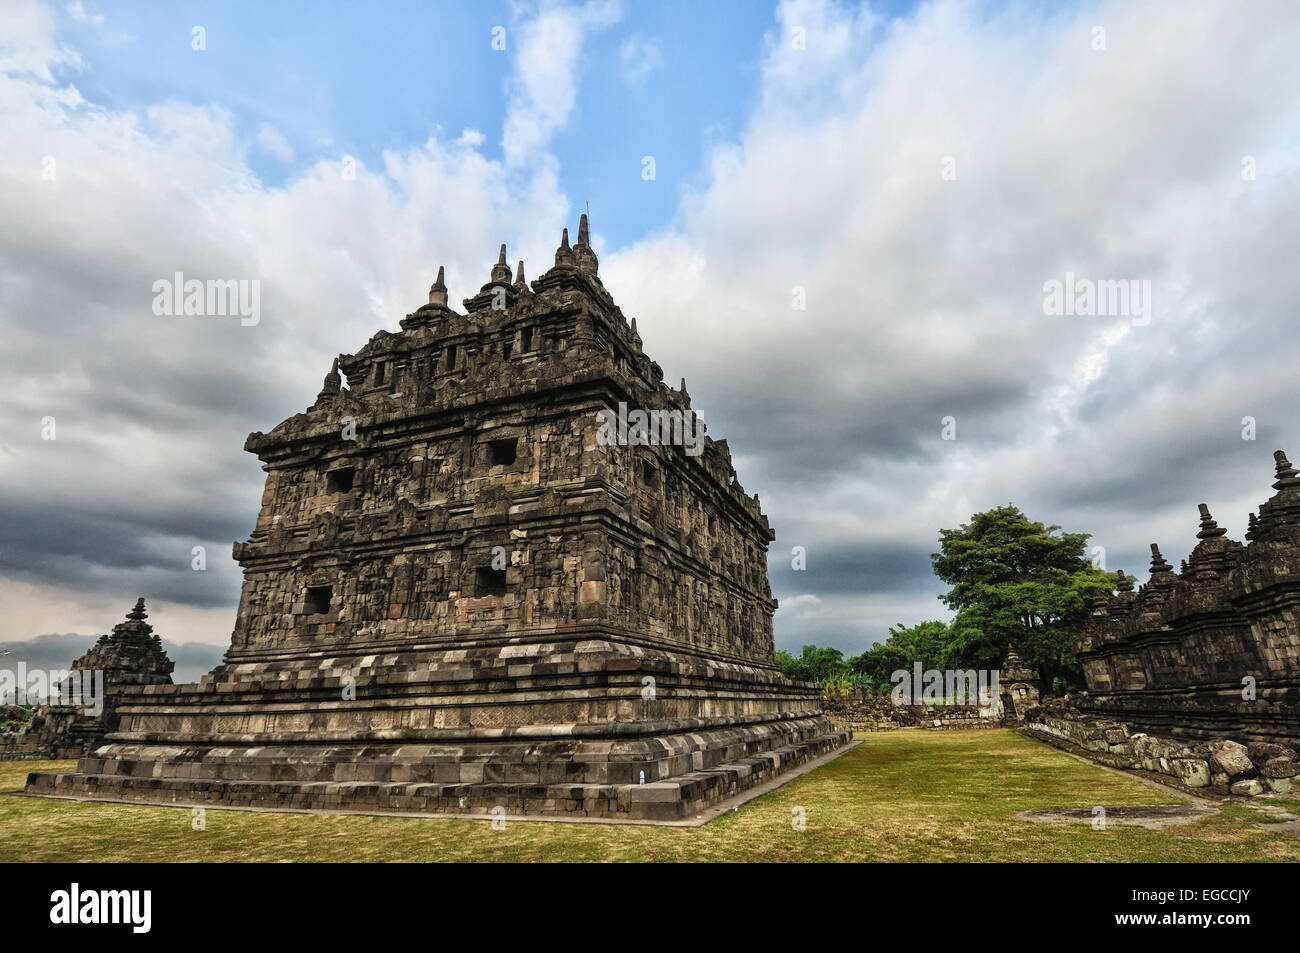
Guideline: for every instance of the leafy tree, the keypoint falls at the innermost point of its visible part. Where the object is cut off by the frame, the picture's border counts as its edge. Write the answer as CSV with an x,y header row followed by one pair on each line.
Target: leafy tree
x,y
813,665
1015,580
927,643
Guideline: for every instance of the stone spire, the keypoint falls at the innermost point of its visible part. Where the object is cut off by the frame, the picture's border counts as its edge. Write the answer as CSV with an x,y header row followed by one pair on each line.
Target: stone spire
x,y
329,390
501,271
428,315
438,291
1209,528
1281,513
131,655
1011,672
521,284
1122,582
1213,551
1158,564
564,254
1286,474
583,255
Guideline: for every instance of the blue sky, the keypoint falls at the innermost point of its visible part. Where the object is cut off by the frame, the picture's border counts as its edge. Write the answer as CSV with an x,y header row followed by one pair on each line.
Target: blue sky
x,y
338,78
352,78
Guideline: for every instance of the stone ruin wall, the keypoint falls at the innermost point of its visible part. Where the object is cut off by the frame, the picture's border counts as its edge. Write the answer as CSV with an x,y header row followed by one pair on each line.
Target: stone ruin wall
x,y
1185,652
879,713
1222,766
1196,675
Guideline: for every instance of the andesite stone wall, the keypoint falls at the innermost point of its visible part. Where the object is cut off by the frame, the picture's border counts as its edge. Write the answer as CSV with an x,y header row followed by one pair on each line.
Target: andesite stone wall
x,y
1212,650
1198,661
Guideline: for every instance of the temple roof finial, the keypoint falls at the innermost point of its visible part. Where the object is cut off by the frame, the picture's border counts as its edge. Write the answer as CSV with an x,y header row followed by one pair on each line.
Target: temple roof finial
x,y
564,254
501,271
333,383
138,614
520,281
583,255
1158,564
1122,582
438,290
1209,528
1286,474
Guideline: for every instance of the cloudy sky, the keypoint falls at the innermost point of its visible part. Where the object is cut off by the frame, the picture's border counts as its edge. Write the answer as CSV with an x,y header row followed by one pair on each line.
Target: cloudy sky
x,y
913,175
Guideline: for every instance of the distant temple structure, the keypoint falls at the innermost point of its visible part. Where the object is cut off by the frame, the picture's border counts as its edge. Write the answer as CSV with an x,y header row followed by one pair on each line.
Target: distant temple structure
x,y
1018,689
1196,676
129,656
458,597
1214,649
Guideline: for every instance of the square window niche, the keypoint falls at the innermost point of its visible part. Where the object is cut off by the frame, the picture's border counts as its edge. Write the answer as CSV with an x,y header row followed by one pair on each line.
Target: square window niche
x,y
341,480
489,581
318,599
503,452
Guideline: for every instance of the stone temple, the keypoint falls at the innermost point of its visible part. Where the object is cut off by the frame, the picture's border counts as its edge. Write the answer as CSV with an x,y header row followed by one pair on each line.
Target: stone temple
x,y
458,597
1196,675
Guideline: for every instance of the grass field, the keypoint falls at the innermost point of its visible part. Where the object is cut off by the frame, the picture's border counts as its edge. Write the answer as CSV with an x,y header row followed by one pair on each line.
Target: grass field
x,y
902,796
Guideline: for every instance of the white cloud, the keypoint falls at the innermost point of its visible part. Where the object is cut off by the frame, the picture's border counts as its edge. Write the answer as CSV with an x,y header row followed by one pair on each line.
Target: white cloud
x,y
77,10
638,58
273,142
543,86
27,44
471,138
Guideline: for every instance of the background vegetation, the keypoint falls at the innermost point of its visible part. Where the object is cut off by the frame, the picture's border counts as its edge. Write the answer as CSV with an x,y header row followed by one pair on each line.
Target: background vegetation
x,y
1013,581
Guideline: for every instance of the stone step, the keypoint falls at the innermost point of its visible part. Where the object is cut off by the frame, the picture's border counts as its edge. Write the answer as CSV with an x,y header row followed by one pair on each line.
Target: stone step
x,y
675,797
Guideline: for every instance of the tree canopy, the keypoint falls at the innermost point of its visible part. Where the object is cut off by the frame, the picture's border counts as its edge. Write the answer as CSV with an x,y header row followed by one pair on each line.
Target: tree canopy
x,y
813,665
1017,580
1012,580
927,643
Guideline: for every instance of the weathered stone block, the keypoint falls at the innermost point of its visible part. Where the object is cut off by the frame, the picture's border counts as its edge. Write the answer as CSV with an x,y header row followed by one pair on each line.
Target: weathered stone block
x,y
1230,758
1194,772
1280,768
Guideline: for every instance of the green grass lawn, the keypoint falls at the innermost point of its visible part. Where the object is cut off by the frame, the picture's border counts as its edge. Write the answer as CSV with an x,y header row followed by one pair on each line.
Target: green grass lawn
x,y
901,795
